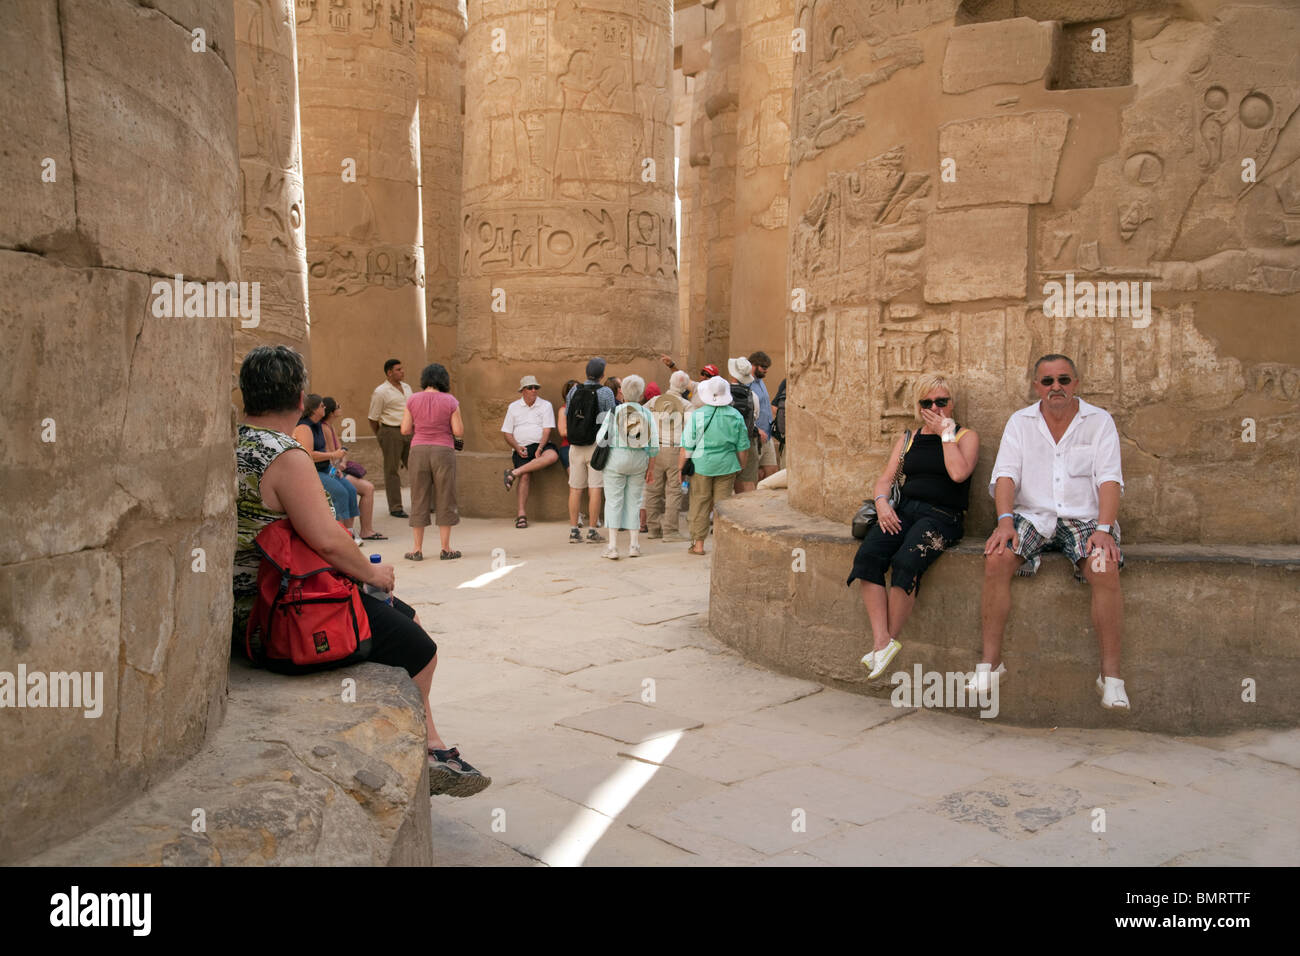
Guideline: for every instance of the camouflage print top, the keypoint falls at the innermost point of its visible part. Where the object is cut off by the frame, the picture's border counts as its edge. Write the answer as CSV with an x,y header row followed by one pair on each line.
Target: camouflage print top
x,y
255,449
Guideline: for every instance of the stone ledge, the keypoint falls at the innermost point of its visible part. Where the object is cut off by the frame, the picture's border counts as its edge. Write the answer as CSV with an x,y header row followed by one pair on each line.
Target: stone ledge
x,y
293,777
1199,620
482,494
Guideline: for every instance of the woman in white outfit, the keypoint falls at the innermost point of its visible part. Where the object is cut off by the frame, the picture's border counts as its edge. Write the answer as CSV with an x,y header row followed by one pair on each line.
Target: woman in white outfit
x,y
633,439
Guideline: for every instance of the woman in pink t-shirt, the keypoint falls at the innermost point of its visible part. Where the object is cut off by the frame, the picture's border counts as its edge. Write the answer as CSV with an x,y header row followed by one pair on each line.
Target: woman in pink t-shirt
x,y
432,416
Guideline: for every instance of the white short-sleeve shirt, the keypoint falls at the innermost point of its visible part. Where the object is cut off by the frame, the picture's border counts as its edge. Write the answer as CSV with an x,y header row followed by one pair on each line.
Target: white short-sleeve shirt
x,y
1058,480
526,422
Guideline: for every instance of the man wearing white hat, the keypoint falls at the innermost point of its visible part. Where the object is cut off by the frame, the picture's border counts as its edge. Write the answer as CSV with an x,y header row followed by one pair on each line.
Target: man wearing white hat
x,y
528,425
742,374
716,442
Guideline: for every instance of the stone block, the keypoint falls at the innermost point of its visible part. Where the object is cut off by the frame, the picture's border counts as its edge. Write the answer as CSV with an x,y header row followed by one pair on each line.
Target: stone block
x,y
1002,158
34,128
630,723
158,193
695,56
1016,51
908,838
977,254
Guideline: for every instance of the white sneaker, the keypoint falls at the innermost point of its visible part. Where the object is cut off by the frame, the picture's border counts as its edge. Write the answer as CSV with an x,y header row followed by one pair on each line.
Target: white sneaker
x,y
1113,696
611,552
883,657
869,660
985,675
634,551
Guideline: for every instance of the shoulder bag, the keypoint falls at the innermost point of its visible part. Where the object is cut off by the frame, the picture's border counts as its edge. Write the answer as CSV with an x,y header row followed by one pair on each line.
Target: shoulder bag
x,y
866,516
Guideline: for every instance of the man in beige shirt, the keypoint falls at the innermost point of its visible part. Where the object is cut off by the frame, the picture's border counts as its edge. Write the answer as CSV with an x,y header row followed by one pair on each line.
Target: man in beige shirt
x,y
387,404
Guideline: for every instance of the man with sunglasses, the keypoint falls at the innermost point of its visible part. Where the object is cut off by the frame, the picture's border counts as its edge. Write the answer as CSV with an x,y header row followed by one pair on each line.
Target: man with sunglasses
x,y
1057,485
528,425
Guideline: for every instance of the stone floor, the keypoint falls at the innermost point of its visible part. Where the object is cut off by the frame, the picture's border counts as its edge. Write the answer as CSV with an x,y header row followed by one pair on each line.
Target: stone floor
x,y
619,732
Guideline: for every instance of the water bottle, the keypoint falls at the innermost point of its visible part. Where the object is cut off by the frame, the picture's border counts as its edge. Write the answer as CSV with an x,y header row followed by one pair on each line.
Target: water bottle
x,y
686,486
378,593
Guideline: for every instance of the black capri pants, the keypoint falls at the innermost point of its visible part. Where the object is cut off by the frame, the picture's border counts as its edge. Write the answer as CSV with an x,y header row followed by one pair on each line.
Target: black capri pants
x,y
395,638
926,532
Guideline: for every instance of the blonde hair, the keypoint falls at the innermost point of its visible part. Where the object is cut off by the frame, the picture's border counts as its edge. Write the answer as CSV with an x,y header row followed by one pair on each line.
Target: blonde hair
x,y
927,384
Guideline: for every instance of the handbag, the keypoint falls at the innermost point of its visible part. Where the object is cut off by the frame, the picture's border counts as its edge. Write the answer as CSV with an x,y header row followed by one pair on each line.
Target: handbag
x,y
688,468
355,469
600,457
306,615
866,515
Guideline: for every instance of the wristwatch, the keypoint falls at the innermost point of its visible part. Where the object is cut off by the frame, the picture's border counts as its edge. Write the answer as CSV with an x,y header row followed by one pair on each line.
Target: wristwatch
x,y
1106,528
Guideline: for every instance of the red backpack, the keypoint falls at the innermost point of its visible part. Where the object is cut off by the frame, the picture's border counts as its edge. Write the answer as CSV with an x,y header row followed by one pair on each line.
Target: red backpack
x,y
306,614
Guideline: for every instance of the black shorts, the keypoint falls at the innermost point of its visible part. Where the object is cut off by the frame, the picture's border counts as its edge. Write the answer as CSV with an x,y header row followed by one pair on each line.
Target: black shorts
x,y
395,638
532,453
926,532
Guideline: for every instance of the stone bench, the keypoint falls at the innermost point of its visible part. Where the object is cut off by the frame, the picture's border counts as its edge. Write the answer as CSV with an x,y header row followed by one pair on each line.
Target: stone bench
x,y
294,776
1198,622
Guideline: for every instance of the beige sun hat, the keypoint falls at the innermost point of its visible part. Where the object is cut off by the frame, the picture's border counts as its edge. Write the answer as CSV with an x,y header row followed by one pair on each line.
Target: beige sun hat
x,y
528,380
714,391
741,370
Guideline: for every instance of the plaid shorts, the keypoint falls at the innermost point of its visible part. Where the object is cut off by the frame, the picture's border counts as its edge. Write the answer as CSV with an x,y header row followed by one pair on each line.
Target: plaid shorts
x,y
1071,537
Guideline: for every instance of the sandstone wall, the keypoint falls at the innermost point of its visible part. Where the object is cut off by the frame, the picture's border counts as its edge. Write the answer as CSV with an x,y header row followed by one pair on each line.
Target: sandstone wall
x,y
439,29
273,250
759,301
359,83
117,437
1058,170
567,250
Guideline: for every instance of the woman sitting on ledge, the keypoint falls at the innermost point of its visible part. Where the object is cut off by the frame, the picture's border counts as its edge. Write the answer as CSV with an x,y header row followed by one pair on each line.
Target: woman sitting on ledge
x,y
271,483
936,469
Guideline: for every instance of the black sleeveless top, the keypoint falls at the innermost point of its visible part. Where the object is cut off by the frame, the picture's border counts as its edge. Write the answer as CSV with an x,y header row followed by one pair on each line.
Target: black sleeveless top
x,y
926,479
317,441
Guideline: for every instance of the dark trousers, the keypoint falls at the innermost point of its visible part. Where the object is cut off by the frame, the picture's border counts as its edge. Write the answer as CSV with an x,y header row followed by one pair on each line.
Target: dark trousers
x,y
396,448
926,531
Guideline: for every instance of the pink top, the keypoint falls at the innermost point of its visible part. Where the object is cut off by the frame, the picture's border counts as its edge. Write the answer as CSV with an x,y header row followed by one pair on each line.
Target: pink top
x,y
431,413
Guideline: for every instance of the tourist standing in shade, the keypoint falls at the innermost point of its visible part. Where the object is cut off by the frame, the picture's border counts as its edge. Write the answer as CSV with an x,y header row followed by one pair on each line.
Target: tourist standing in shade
x,y
633,440
937,460
716,442
585,408
663,500
387,405
759,363
432,419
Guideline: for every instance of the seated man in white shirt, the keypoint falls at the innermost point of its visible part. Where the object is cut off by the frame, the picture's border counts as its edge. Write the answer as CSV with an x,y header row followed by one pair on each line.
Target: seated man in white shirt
x,y
528,425
1057,485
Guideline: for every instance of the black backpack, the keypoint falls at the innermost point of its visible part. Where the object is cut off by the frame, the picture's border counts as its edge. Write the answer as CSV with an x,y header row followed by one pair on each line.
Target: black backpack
x,y
742,400
778,419
582,411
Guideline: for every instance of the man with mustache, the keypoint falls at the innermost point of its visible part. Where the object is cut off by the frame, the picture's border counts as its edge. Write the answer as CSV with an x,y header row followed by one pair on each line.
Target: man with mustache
x,y
1057,485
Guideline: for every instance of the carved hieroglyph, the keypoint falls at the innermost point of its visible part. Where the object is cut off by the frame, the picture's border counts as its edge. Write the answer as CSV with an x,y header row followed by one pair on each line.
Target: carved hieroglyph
x,y
359,85
567,236
1188,180
273,248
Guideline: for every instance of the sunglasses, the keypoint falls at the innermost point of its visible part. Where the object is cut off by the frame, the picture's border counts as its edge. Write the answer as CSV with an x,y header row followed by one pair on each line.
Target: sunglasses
x,y
1046,381
531,388
936,402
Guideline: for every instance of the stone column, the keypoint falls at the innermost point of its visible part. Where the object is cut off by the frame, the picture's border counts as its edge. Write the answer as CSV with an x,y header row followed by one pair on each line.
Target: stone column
x,y
273,249
759,296
568,241
358,83
439,30
121,171
720,96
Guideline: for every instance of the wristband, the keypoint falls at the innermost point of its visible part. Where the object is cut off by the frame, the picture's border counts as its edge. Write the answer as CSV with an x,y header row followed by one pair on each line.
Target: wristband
x,y
878,497
1007,515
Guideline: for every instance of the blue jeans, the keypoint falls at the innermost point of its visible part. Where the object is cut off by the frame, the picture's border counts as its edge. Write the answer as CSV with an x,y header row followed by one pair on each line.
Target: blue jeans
x,y
342,495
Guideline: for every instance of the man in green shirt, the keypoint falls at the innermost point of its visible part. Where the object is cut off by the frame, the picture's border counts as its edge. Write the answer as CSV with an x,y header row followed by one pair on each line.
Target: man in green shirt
x,y
717,443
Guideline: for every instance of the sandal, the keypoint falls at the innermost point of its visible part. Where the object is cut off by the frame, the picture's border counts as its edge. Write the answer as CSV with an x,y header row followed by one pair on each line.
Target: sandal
x,y
449,555
521,522
698,554
374,537
509,479
414,556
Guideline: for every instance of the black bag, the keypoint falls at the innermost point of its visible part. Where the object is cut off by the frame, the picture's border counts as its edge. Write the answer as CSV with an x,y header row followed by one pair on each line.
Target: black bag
x,y
600,457
866,515
742,400
778,415
582,413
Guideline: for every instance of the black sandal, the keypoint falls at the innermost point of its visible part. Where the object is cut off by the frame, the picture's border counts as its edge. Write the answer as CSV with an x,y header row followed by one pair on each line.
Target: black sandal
x,y
521,522
449,555
414,556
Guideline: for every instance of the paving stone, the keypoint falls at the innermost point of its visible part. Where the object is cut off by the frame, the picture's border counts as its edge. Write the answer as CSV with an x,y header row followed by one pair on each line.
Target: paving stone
x,y
1167,761
456,843
931,734
629,722
1101,787
1267,788
623,846
909,838
828,712
706,754
528,757
902,770
753,820
825,793
711,687
629,791
792,745
1280,746
1009,807
792,858
708,849
565,657
1023,753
